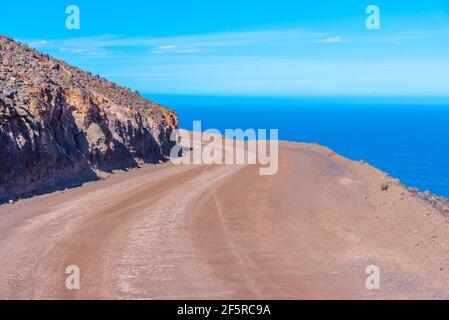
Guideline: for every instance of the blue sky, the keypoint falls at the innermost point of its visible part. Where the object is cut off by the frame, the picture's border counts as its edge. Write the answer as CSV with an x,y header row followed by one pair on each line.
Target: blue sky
x,y
248,47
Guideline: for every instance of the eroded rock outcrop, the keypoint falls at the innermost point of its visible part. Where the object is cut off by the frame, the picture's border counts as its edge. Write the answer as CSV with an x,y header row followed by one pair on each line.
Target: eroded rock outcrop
x,y
60,125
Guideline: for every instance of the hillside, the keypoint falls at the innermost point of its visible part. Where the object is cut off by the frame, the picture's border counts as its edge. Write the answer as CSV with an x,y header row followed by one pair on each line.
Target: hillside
x,y
61,125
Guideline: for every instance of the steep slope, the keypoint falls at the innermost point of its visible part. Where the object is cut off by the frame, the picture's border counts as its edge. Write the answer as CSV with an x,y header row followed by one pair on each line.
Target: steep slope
x,y
59,124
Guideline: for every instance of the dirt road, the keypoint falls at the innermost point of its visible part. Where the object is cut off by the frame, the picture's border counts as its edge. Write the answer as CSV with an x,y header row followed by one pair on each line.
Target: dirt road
x,y
226,232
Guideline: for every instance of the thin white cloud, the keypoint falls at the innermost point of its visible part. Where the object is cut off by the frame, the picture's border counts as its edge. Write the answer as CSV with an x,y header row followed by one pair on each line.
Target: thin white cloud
x,y
166,49
85,51
37,44
269,61
191,44
185,43
259,75
405,36
337,39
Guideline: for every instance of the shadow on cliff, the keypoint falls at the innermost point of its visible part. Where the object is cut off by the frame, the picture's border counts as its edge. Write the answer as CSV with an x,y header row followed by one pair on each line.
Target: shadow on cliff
x,y
38,159
47,151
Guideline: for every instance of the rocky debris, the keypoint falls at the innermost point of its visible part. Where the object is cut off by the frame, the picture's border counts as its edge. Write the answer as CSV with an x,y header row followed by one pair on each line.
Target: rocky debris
x,y
384,186
59,124
413,190
438,202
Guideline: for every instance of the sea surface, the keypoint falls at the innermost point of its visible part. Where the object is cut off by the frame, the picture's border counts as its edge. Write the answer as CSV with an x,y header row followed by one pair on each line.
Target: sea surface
x,y
408,139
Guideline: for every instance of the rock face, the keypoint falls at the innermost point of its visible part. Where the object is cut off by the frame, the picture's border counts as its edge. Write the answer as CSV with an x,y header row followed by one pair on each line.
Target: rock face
x,y
60,125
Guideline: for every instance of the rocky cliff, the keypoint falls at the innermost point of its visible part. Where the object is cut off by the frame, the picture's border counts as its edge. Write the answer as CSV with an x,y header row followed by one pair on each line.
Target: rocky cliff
x,y
60,125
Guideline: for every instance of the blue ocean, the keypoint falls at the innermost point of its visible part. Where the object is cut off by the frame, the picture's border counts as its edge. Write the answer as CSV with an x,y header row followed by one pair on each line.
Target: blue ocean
x,y
408,139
